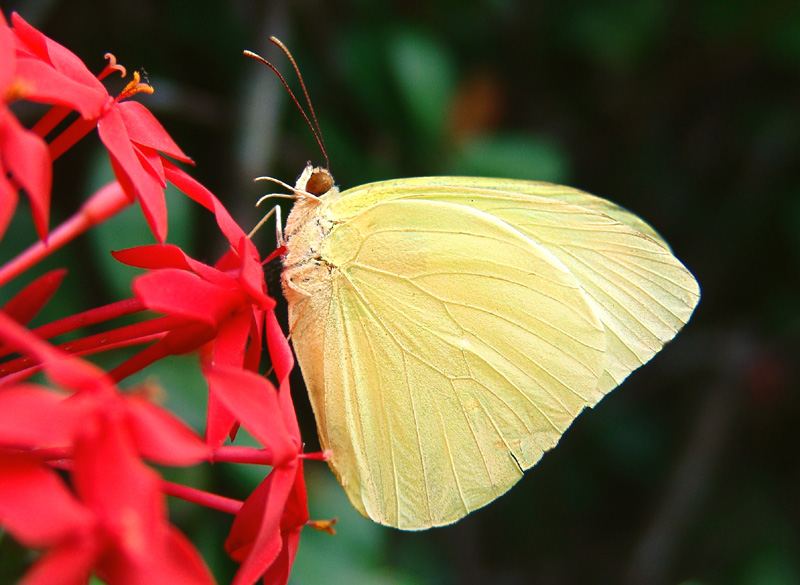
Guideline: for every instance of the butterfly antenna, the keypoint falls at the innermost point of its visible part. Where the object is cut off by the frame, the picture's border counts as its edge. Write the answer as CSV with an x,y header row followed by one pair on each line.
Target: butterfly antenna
x,y
315,129
318,133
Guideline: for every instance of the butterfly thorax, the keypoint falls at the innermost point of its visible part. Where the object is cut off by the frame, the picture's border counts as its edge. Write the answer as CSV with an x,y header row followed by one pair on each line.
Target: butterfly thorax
x,y
305,272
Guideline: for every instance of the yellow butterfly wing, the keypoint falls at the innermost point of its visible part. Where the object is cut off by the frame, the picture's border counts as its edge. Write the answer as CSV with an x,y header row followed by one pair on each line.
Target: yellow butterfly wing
x,y
450,329
640,291
447,354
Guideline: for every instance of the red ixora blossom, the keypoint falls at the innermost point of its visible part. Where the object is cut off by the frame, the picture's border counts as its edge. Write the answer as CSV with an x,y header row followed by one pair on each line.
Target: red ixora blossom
x,y
114,521
73,474
231,302
266,532
42,70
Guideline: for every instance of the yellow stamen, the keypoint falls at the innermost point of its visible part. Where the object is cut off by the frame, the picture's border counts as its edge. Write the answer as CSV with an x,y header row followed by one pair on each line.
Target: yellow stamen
x,y
323,525
135,86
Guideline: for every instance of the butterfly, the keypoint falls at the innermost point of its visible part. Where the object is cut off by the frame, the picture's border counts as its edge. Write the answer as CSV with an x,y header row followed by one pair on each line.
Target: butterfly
x,y
450,329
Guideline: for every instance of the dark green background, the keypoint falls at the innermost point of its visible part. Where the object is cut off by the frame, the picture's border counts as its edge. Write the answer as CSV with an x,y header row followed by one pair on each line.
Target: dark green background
x,y
687,113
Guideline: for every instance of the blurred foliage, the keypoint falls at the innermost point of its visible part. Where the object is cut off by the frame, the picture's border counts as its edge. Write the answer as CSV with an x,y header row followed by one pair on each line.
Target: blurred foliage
x,y
688,113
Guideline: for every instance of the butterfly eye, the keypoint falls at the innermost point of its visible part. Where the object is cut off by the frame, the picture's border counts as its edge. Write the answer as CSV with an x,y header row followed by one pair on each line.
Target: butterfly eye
x,y
320,182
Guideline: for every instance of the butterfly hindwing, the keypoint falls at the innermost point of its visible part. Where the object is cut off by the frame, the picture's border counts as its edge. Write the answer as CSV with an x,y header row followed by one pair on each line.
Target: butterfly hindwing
x,y
456,352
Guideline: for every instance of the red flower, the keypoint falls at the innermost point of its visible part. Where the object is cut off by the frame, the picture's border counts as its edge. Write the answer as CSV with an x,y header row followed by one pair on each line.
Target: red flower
x,y
24,159
116,523
109,518
231,300
52,74
226,302
266,532
48,72
134,139
35,504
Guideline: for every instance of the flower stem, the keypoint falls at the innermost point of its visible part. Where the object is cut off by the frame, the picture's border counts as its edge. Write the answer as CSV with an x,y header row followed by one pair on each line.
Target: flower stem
x,y
106,202
206,499
67,139
251,455
50,120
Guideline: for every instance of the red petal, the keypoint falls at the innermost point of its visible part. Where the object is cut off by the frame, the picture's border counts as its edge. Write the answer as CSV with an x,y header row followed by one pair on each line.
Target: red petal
x,y
8,203
228,350
231,341
283,362
179,563
252,274
154,256
177,292
255,535
28,302
171,256
35,505
278,572
146,185
7,57
220,423
279,351
161,437
31,416
134,510
252,357
254,401
144,129
151,160
72,74
295,513
25,156
68,564
47,85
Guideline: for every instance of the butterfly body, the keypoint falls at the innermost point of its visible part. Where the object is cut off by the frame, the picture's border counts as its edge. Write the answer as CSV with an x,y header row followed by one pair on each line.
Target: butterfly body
x,y
450,329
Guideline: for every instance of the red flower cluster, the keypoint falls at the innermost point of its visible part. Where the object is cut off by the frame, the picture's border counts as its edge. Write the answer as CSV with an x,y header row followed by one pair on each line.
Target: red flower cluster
x,y
74,474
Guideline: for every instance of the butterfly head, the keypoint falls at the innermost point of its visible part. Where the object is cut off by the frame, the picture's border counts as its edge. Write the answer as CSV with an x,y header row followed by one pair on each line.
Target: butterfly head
x,y
316,181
